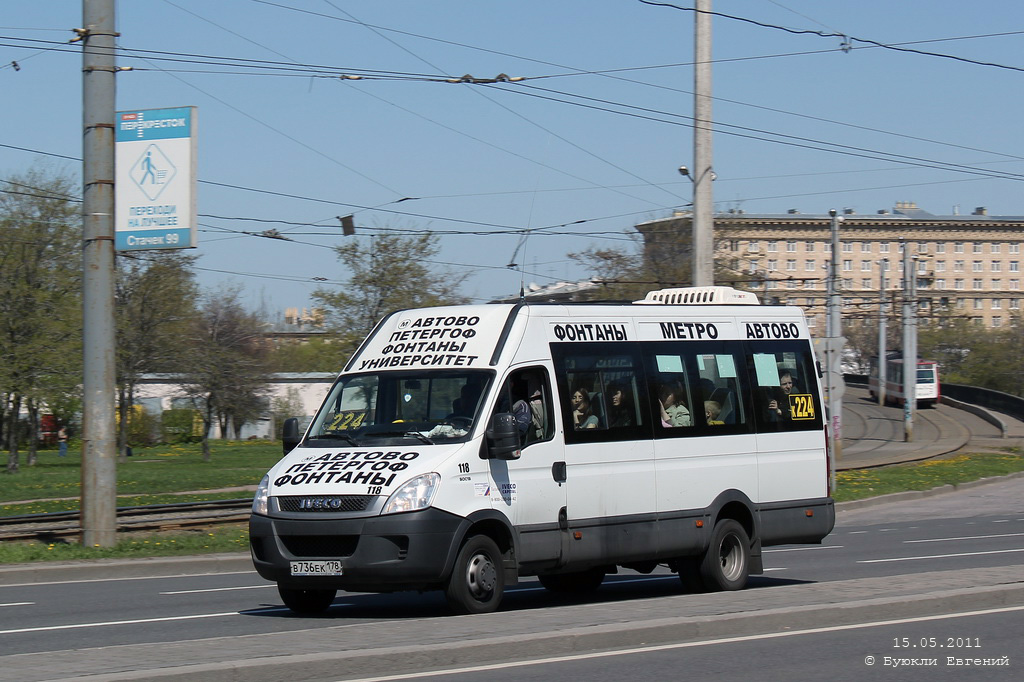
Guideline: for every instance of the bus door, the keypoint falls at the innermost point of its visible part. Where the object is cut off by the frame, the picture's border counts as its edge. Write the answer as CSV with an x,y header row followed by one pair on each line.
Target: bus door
x,y
790,419
531,490
609,451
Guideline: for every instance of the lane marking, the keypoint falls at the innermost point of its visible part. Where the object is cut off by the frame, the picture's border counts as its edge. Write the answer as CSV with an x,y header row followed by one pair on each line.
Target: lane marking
x,y
685,645
137,621
111,580
20,603
801,549
940,556
966,537
221,589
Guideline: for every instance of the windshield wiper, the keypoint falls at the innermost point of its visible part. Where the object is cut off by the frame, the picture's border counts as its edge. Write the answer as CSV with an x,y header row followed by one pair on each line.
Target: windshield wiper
x,y
336,436
417,434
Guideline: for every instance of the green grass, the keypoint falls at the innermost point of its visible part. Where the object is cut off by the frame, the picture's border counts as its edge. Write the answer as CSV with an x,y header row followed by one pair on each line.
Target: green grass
x,y
862,483
152,473
54,483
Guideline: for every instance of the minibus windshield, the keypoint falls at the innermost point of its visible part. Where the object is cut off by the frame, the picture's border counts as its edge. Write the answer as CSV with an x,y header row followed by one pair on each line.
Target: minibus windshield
x,y
424,405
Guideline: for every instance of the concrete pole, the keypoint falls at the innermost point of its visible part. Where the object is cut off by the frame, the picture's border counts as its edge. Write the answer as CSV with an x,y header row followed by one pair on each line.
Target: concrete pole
x,y
99,444
909,343
703,200
883,367
836,388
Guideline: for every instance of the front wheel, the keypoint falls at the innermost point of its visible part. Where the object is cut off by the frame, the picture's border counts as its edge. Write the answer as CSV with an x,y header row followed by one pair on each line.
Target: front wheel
x,y
478,578
727,561
307,602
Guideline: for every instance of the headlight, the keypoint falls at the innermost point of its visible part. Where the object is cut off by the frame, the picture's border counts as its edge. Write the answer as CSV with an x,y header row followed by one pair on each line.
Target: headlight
x,y
417,493
261,499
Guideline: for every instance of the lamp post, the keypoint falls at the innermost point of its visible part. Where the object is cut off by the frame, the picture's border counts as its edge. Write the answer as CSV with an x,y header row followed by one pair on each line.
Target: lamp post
x,y
882,331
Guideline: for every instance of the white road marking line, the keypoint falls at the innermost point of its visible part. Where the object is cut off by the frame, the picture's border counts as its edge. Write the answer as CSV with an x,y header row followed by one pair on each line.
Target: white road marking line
x,y
801,549
966,537
222,589
686,645
138,621
939,556
19,603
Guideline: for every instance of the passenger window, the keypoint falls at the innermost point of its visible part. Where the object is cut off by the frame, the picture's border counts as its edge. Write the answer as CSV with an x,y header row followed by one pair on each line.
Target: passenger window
x,y
601,386
786,397
720,389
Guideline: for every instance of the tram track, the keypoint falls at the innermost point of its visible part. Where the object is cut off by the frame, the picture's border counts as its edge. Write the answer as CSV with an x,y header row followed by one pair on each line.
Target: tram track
x,y
59,526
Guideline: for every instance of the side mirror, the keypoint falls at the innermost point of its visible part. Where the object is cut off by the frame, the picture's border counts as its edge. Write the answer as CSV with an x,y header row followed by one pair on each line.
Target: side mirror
x,y
290,435
502,439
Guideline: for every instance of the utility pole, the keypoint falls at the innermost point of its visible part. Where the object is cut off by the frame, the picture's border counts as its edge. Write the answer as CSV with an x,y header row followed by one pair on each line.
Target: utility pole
x,y
703,201
99,446
909,342
834,349
882,332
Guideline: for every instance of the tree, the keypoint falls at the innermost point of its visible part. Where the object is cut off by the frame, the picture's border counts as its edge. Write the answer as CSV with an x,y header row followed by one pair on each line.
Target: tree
x,y
387,272
225,366
155,300
40,309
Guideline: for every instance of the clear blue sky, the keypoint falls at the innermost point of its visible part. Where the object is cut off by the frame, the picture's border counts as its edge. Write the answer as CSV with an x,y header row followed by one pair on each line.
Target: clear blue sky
x,y
594,134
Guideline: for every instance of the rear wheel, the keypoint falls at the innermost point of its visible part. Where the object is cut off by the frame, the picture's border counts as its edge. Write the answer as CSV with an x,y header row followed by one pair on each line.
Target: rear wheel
x,y
307,602
727,561
573,583
478,579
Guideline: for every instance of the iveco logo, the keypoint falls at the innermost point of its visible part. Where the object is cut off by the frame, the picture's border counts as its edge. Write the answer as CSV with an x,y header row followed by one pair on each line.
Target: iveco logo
x,y
319,503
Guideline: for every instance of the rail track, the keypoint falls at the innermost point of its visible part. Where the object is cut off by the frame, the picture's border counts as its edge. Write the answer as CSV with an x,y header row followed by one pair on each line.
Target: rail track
x,y
57,526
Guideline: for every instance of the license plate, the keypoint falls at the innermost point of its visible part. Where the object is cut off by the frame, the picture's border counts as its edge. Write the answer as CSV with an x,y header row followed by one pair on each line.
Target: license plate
x,y
316,567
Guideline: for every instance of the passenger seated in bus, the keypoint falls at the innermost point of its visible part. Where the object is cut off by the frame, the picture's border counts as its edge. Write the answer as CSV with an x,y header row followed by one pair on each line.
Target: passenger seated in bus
x,y
670,402
583,416
620,407
711,411
778,406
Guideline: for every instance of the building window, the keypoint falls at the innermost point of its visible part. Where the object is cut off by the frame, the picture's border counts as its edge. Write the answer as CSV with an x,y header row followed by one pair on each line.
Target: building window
x,y
847,265
997,284
865,283
773,245
1015,266
883,247
922,247
1015,284
997,266
922,266
977,284
997,321
754,246
976,266
958,266
791,264
996,247
809,247
734,244
809,265
1014,304
997,304
865,247
773,265
958,283
958,247
755,265
791,246
940,266
847,247
979,303
865,265
1015,247
977,247
940,247
940,284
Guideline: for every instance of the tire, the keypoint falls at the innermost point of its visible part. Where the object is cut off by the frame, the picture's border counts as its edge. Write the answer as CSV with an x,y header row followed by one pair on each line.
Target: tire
x,y
477,582
726,563
307,602
689,574
581,582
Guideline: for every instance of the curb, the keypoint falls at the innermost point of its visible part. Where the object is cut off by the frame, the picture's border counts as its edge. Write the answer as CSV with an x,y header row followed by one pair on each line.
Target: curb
x,y
918,494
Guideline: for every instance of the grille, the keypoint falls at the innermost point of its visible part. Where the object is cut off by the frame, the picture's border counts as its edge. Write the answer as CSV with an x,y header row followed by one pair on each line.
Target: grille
x,y
333,546
324,503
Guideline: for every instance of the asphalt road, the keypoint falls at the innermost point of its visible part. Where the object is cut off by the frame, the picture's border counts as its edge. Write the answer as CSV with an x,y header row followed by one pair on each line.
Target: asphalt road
x,y
930,557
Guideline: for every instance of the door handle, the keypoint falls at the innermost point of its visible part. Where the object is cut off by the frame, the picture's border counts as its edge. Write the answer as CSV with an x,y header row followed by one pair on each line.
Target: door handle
x,y
558,472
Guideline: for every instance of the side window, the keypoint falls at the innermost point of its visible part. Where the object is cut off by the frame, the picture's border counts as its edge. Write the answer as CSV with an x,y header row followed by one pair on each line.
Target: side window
x,y
785,386
698,388
527,395
601,391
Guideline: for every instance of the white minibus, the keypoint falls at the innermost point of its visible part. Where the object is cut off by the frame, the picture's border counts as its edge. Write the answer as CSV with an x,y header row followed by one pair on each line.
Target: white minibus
x,y
465,448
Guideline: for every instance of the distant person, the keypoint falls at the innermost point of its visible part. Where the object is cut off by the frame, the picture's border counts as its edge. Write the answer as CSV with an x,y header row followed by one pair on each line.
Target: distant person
x,y
673,412
62,442
620,408
583,416
778,407
711,411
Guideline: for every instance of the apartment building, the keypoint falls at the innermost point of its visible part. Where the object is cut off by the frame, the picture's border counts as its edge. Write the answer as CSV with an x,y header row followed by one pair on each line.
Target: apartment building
x,y
967,266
